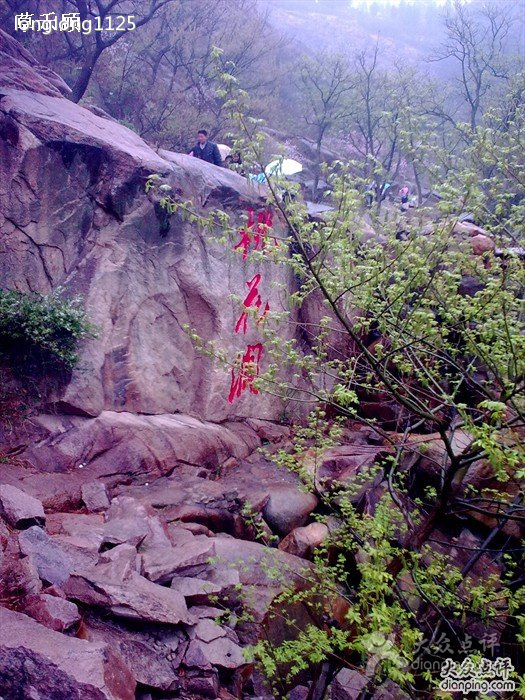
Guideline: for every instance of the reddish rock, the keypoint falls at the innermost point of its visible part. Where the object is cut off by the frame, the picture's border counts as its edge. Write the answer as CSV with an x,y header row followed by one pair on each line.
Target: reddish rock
x,y
39,662
482,244
343,463
268,431
427,453
195,589
254,562
206,630
303,540
18,577
480,477
147,446
88,527
20,509
144,274
95,496
469,228
118,563
55,613
21,71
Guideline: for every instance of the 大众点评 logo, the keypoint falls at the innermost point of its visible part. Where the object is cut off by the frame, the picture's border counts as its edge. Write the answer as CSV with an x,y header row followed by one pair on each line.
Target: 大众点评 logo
x,y
477,675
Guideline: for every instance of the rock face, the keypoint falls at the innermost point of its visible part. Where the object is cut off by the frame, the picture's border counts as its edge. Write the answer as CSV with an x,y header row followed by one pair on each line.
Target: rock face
x,y
22,72
74,213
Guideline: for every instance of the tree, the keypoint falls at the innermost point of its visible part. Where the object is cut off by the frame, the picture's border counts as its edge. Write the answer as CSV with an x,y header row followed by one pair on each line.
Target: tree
x,y
324,85
374,123
475,41
85,48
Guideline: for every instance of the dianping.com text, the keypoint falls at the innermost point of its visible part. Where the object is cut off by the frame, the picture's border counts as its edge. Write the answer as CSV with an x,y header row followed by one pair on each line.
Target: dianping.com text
x,y
71,22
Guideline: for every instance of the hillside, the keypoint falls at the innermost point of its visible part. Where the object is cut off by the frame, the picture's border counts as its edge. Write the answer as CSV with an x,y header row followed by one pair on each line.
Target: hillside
x,y
262,431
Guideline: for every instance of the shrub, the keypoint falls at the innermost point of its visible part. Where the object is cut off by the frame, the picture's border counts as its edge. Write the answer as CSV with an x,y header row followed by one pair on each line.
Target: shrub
x,y
41,327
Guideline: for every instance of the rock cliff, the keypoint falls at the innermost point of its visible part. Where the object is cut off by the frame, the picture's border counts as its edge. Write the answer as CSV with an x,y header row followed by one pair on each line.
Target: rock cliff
x,y
74,215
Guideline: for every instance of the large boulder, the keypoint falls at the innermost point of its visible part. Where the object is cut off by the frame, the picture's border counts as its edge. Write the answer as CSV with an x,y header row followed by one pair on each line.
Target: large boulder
x,y
117,447
36,662
288,507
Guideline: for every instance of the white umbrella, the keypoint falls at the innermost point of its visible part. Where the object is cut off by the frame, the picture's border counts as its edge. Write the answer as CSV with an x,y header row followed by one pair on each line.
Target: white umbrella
x,y
283,166
224,150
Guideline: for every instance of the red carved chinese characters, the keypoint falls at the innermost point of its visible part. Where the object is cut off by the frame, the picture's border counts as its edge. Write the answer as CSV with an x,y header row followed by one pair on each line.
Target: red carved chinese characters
x,y
254,235
258,234
253,299
248,370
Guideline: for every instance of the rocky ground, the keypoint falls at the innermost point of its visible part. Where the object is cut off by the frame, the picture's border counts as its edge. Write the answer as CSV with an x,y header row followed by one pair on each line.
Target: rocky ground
x,y
120,587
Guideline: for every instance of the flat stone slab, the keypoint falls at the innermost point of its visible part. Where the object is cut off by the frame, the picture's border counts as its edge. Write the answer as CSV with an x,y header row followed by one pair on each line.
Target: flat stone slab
x,y
135,597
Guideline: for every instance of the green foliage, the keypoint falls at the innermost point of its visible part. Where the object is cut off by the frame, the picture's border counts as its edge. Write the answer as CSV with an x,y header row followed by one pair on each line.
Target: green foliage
x,y
42,327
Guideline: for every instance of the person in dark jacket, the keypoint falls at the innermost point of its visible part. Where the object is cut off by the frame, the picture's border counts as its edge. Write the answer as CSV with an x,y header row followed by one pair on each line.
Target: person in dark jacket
x,y
206,150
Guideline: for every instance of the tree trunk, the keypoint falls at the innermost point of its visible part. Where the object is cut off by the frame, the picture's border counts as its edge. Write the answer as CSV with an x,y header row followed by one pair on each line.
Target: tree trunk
x,y
418,185
82,82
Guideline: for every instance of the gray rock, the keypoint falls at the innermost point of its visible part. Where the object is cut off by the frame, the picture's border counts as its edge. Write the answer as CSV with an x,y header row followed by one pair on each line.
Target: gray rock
x,y
135,597
160,564
221,652
36,662
95,496
288,507
20,509
347,685
78,550
52,564
146,659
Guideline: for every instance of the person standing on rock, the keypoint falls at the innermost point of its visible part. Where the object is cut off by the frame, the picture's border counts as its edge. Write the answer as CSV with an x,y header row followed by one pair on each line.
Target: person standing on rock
x,y
403,194
206,150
